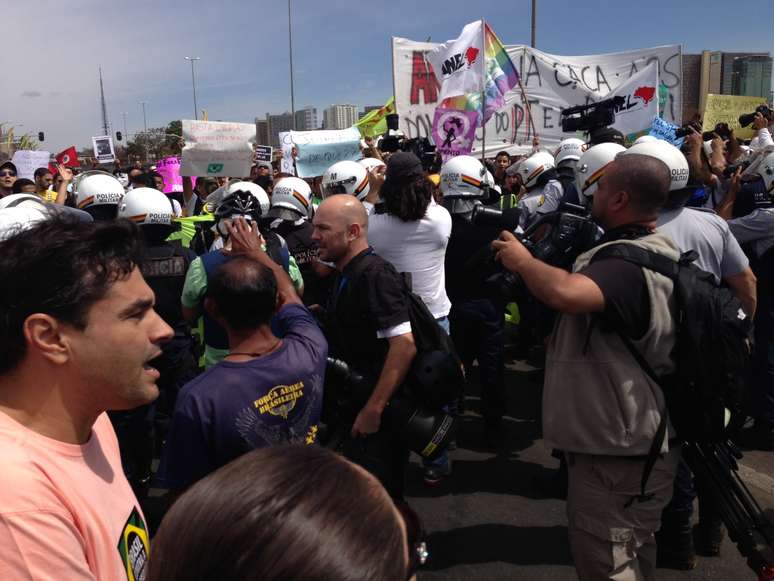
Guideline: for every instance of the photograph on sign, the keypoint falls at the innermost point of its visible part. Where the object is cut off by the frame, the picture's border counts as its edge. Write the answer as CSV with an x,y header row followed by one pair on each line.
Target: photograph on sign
x,y
103,148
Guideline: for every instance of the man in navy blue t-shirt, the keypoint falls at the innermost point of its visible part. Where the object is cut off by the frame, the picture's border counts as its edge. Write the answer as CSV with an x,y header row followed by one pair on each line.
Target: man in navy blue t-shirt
x,y
267,390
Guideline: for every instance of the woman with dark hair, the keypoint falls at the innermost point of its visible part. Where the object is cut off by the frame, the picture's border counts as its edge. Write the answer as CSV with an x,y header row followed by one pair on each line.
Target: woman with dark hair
x,y
291,513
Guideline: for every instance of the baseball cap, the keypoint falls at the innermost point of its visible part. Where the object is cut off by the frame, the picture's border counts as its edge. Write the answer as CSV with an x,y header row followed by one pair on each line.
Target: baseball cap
x,y
9,164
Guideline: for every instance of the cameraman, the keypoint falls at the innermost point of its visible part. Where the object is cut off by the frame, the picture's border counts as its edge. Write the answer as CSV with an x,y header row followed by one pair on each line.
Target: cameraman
x,y
368,325
763,133
599,405
477,324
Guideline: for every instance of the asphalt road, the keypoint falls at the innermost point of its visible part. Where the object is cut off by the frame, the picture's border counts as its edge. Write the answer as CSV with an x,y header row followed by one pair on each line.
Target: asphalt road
x,y
494,520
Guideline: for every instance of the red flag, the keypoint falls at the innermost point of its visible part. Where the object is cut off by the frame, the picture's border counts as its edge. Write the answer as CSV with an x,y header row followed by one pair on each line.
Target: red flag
x,y
68,157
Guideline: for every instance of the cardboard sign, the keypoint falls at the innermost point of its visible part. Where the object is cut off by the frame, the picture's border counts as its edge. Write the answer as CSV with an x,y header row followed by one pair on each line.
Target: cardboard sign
x,y
666,131
263,153
27,162
215,148
727,109
551,82
103,148
318,150
169,168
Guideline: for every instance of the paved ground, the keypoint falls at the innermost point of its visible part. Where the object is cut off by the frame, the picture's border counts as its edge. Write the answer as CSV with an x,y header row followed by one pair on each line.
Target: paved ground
x,y
492,519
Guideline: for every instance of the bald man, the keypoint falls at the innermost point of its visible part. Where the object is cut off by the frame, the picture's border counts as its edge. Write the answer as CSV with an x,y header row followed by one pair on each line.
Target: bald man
x,y
368,325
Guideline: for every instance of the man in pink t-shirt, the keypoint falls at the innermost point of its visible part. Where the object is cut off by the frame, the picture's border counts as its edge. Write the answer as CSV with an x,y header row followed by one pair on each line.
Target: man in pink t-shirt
x,y
77,330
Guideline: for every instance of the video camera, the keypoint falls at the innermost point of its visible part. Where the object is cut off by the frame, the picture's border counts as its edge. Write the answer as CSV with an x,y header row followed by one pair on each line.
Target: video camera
x,y
425,432
557,239
593,116
394,140
748,118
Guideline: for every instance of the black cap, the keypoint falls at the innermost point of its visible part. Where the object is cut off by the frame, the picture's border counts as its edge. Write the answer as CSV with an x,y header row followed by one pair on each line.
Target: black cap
x,y
403,165
11,165
606,135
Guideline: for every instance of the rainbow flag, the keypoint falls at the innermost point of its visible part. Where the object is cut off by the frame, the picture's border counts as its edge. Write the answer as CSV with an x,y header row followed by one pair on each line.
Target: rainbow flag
x,y
501,76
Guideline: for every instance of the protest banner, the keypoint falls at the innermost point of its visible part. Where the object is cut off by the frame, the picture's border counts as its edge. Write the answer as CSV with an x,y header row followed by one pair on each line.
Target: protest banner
x,y
551,83
640,105
318,150
454,132
263,153
27,162
214,148
286,143
727,109
169,168
103,148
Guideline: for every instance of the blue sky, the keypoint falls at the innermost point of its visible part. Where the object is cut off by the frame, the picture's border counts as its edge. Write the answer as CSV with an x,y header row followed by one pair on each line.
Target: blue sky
x,y
52,50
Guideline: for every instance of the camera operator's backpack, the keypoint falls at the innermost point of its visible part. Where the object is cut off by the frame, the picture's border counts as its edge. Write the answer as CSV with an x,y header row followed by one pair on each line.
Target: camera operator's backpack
x,y
711,352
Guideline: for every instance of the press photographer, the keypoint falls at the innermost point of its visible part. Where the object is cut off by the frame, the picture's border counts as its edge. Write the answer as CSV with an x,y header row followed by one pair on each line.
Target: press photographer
x,y
607,419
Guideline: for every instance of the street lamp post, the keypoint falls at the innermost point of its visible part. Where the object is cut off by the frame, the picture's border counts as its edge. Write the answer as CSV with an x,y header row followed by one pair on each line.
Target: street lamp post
x,y
144,118
193,83
534,21
126,133
292,95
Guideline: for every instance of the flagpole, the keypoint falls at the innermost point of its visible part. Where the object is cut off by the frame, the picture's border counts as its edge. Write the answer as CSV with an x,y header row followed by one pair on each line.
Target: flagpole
x,y
483,93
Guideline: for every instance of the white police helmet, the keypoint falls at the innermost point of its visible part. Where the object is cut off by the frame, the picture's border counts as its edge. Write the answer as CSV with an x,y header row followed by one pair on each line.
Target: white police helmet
x,y
371,162
463,177
569,149
670,155
16,219
645,139
766,171
293,194
591,166
346,177
97,188
146,206
534,166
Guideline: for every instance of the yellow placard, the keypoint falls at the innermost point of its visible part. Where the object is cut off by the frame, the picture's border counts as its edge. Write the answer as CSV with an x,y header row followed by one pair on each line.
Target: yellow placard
x,y
727,109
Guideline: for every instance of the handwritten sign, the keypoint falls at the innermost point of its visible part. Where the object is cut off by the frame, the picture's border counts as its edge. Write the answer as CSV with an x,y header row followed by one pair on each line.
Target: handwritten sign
x,y
727,109
665,131
318,150
169,168
214,148
27,162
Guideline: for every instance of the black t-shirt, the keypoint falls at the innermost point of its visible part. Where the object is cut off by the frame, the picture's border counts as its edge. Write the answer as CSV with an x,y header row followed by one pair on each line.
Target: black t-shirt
x,y
368,296
627,304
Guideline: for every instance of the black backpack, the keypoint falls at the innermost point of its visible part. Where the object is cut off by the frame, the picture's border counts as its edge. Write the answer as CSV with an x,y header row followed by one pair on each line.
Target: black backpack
x,y
712,352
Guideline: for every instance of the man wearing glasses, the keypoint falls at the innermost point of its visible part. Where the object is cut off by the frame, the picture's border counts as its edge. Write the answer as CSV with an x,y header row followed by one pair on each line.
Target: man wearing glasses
x,y
7,178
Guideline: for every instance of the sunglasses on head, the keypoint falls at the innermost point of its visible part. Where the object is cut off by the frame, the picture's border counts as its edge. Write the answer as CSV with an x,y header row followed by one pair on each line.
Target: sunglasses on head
x,y
415,538
7,172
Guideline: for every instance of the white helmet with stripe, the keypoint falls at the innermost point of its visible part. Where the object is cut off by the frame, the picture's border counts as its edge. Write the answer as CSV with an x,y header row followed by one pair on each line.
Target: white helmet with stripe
x,y
346,177
534,166
463,177
293,194
146,206
591,166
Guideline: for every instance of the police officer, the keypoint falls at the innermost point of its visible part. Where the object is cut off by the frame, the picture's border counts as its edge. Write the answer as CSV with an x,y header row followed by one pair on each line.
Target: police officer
x,y
290,217
98,193
566,158
476,317
720,254
544,191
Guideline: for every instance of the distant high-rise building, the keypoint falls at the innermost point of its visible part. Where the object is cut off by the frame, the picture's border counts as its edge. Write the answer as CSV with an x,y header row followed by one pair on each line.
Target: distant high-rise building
x,y
723,73
340,116
306,119
367,109
277,124
262,131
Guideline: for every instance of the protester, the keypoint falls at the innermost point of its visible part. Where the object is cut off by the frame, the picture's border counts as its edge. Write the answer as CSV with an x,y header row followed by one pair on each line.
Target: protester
x,y
288,513
368,325
24,186
79,345
611,525
7,178
43,181
267,390
411,232
245,200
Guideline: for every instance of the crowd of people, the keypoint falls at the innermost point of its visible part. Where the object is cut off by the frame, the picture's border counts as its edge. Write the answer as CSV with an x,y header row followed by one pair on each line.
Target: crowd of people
x,y
201,328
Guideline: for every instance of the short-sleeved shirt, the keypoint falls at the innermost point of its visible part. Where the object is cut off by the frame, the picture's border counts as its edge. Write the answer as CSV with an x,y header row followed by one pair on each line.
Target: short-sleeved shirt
x,y
67,510
627,303
235,407
417,247
195,288
710,236
48,196
539,201
369,305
